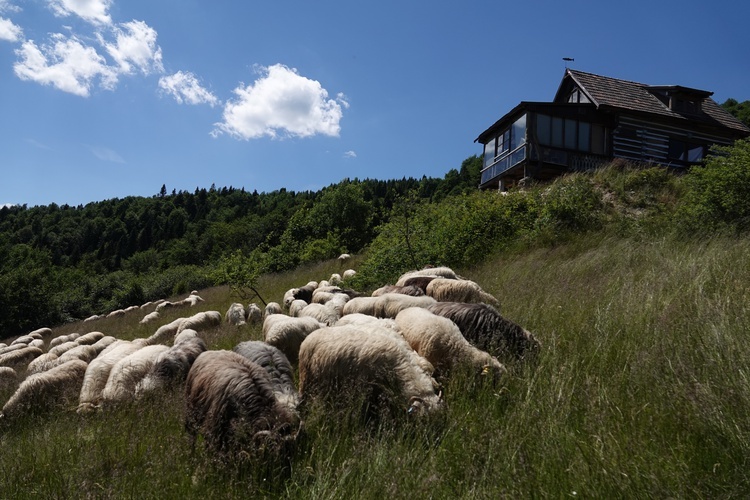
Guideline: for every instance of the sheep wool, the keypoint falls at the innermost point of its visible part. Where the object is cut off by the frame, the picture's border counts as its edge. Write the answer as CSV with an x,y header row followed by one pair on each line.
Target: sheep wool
x,y
230,401
287,333
440,341
127,372
447,290
42,391
343,362
235,315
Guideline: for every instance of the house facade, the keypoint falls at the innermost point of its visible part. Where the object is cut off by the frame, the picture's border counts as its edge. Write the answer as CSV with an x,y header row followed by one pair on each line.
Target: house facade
x,y
594,119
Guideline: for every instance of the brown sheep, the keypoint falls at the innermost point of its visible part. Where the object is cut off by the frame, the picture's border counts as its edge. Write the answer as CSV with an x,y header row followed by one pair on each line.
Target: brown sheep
x,y
485,328
229,400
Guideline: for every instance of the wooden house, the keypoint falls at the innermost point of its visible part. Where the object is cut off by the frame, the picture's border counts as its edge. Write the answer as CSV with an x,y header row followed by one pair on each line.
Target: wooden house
x,y
594,119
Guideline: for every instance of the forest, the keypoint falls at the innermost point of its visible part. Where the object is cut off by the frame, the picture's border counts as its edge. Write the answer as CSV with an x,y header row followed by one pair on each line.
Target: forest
x,y
61,263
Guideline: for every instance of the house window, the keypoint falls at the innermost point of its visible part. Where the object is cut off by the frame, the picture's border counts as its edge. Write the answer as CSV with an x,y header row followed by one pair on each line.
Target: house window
x,y
557,132
518,137
489,152
570,134
683,151
571,139
578,97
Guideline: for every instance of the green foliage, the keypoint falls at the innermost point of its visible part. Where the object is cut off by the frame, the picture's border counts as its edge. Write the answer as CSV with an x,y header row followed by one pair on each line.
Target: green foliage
x,y
740,110
240,273
718,192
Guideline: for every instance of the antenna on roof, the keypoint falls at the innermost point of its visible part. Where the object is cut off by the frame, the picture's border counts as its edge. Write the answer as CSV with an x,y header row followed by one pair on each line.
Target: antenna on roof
x,y
567,60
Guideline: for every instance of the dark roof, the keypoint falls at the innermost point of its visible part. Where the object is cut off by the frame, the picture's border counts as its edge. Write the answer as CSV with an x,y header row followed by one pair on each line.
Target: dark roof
x,y
606,92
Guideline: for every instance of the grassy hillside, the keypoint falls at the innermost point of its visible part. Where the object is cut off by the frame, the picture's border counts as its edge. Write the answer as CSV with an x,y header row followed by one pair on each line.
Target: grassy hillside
x,y
641,390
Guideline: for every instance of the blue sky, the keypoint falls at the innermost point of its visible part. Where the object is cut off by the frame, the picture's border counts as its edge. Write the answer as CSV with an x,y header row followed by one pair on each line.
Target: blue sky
x,y
104,99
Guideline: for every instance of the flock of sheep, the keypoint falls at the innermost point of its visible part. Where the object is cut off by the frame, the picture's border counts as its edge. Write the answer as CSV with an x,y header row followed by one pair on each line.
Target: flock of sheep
x,y
390,349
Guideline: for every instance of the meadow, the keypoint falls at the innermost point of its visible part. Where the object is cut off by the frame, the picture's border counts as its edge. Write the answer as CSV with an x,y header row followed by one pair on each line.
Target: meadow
x,y
640,390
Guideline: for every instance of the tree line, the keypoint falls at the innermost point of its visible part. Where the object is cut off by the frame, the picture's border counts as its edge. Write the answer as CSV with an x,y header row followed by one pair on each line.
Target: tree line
x,y
61,263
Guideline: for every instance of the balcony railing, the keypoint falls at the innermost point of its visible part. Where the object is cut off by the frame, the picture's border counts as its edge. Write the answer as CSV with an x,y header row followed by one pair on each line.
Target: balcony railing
x,y
503,163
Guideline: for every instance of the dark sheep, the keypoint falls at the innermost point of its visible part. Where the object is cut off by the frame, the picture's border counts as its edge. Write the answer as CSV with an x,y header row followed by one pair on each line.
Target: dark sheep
x,y
420,282
230,401
171,367
278,367
486,329
412,290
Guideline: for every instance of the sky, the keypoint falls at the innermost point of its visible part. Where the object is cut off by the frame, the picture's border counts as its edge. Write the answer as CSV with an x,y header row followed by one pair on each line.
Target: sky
x,y
104,99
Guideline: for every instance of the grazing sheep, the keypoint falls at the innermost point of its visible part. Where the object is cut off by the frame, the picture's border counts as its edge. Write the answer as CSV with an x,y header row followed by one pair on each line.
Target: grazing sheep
x,y
343,258
150,317
165,332
387,305
116,314
10,348
171,367
254,314
439,340
42,363
287,333
235,315
127,372
43,391
93,317
201,321
437,272
230,401
296,306
37,343
412,290
278,367
485,328
45,334
61,348
23,339
272,308
20,357
420,282
349,274
62,339
325,314
8,376
346,362
301,293
335,279
446,290
98,371
90,338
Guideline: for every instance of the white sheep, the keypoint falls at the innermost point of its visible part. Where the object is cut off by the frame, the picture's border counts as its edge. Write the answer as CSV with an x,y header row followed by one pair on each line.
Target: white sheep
x,y
324,313
236,314
296,306
61,339
20,358
349,274
127,372
387,305
254,314
287,333
201,321
116,314
93,317
90,338
440,341
448,290
171,367
61,348
8,376
98,372
437,272
42,391
343,363
335,279
272,308
150,317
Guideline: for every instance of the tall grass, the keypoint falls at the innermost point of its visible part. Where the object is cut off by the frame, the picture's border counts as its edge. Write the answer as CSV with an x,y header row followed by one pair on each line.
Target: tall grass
x,y
641,390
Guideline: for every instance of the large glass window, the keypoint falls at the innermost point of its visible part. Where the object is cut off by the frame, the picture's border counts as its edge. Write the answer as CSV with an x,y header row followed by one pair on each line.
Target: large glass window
x,y
489,153
518,135
598,139
557,132
570,134
543,129
584,136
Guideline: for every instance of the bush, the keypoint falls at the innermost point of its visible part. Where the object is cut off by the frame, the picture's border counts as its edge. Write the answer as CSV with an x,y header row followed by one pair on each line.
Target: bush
x,y
718,192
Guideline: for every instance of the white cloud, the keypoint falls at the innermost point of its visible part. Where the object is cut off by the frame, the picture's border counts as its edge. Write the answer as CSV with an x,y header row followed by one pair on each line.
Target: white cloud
x,y
186,88
106,154
6,6
93,11
281,102
9,31
135,46
66,64
350,154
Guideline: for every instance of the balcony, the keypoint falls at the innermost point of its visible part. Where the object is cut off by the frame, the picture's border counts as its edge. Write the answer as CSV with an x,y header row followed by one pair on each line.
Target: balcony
x,y
504,163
